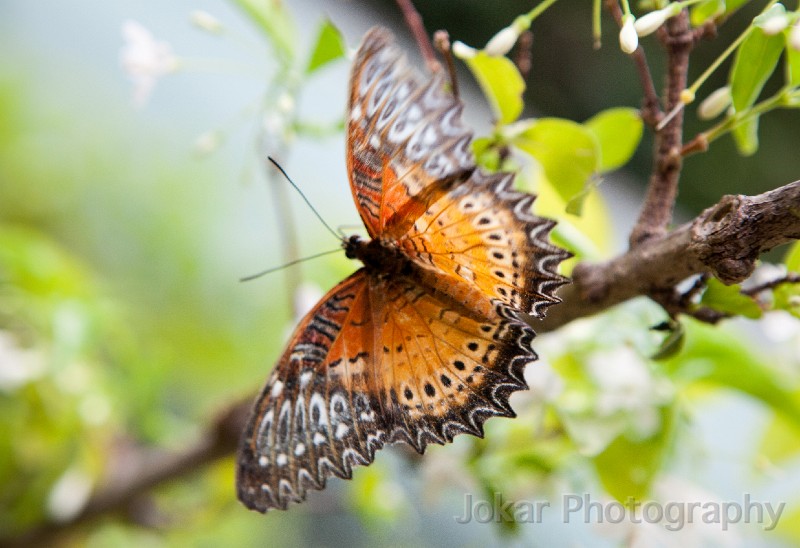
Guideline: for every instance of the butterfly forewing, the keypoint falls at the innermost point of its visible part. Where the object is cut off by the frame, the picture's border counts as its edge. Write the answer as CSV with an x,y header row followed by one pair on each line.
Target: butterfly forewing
x,y
406,144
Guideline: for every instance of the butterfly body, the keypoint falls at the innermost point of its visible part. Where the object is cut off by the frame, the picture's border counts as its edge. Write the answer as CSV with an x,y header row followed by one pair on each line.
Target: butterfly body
x,y
427,339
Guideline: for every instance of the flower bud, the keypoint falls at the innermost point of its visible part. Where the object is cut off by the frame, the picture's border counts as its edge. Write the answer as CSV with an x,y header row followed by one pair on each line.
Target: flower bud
x,y
502,42
715,104
772,21
775,24
628,39
794,37
649,23
206,21
463,51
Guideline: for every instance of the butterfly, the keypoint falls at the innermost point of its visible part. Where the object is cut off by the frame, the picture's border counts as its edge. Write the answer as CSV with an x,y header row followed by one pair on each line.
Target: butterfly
x,y
426,340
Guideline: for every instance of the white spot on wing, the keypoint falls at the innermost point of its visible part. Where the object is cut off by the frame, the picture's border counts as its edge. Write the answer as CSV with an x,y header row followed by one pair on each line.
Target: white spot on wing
x,y
277,388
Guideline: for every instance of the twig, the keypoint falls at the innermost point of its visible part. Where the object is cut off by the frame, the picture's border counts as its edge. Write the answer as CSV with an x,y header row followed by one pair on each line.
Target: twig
x,y
651,107
662,189
442,40
417,27
789,278
522,59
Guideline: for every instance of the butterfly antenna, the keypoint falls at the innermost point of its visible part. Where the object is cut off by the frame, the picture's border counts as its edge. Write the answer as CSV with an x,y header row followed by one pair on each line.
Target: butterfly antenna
x,y
290,263
303,196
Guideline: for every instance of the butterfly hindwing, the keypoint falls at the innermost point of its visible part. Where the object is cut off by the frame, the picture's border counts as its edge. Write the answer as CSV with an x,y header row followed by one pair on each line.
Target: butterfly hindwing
x,y
379,359
446,366
317,416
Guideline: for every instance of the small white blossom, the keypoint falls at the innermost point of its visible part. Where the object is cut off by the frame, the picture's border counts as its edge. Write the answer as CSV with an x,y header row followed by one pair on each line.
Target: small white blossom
x,y
207,142
628,39
69,495
544,383
624,381
774,24
144,59
649,23
794,37
206,21
502,42
18,366
285,103
463,51
715,104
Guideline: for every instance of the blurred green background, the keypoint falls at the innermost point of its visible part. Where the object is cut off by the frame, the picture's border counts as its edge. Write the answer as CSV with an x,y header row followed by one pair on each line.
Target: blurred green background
x,y
122,320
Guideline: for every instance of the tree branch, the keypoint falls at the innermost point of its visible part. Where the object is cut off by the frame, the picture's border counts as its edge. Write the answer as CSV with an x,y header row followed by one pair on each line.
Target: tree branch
x,y
662,189
724,240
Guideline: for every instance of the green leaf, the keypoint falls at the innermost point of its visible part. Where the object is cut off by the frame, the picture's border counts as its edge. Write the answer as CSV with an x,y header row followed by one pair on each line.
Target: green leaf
x,y
745,135
755,61
729,299
275,21
618,132
792,62
787,296
567,151
792,259
715,356
329,47
486,154
502,84
628,466
706,11
672,343
781,440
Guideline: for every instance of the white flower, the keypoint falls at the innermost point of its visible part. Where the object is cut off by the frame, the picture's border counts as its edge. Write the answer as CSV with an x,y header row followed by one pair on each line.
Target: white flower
x,y
628,39
463,51
545,384
502,42
794,37
649,23
773,20
144,59
207,142
206,21
18,366
69,495
715,104
623,378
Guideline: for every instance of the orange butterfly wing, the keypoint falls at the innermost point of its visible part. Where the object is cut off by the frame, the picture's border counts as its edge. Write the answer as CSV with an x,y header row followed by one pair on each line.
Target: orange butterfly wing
x,y
378,360
414,180
317,415
405,142
424,342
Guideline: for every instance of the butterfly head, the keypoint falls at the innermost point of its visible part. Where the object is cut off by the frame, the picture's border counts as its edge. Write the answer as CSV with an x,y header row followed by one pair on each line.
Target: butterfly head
x,y
379,256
